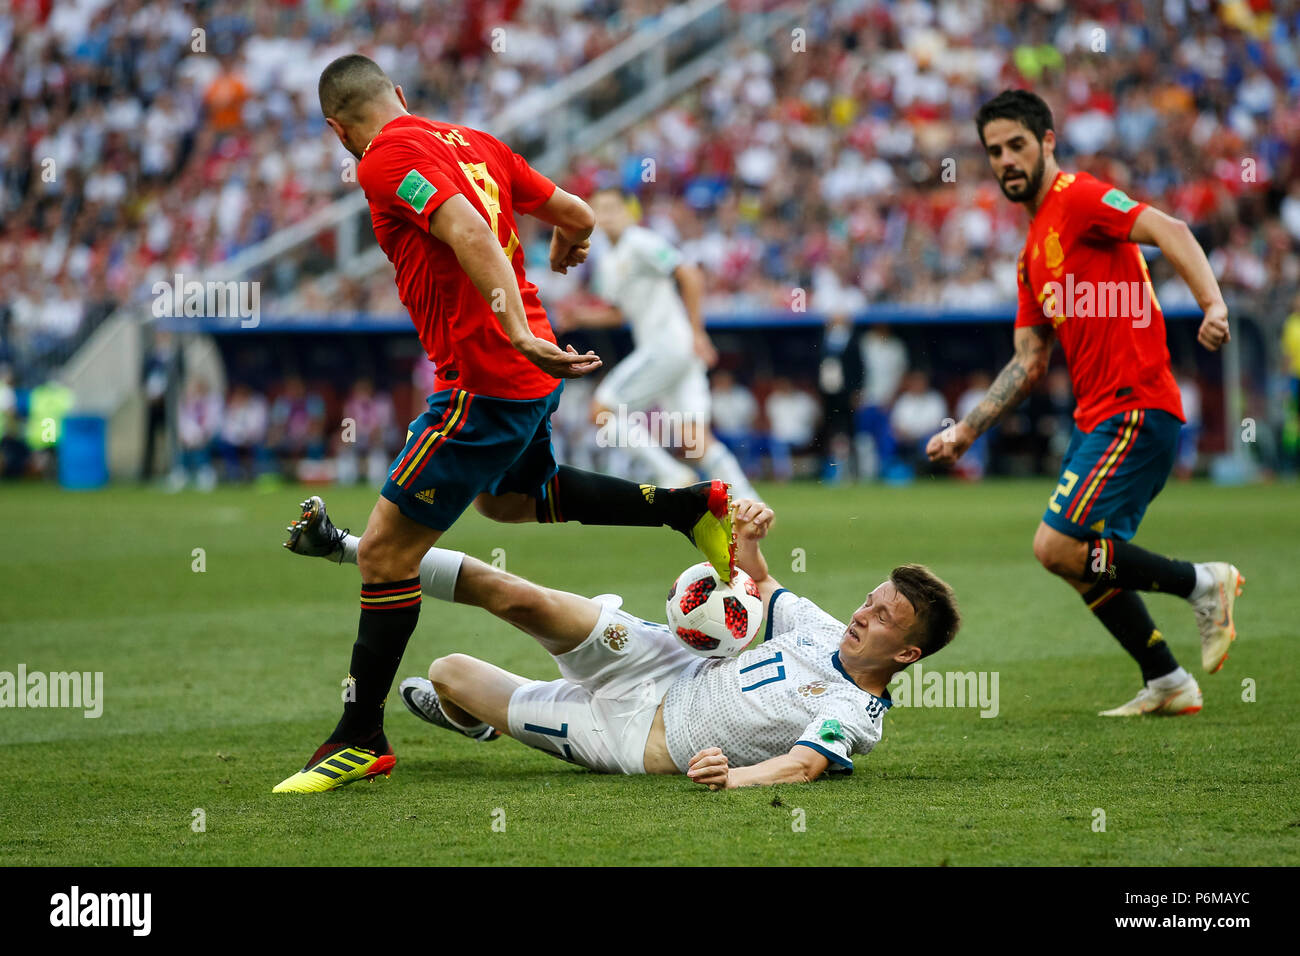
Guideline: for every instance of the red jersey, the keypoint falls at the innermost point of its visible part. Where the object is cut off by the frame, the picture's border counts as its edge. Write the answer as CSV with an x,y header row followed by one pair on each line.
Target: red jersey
x,y
410,169
1079,271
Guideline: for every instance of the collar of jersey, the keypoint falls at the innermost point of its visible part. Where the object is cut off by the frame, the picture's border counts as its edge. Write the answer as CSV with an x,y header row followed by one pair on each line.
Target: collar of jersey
x,y
384,127
835,662
1051,191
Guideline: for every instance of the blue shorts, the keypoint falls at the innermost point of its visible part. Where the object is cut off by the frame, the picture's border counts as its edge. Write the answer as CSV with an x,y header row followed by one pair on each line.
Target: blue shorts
x,y
1112,473
467,444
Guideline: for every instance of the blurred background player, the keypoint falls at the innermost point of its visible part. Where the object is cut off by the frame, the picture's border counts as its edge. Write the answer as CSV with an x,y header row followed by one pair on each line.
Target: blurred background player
x,y
1082,240
651,286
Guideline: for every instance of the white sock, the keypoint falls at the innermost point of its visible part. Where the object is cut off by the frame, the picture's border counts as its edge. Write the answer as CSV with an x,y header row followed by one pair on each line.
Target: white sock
x,y
1169,681
1204,582
439,568
719,462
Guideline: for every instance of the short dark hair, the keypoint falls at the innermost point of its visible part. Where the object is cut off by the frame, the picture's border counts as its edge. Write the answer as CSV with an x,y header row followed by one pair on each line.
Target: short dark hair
x,y
349,84
937,616
1021,106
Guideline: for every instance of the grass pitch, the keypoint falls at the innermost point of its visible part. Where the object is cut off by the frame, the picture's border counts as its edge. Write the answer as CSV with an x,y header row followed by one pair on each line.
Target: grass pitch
x,y
219,682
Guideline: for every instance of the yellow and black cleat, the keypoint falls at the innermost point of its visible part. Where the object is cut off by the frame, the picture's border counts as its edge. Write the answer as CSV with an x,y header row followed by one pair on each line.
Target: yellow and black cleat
x,y
714,534
338,766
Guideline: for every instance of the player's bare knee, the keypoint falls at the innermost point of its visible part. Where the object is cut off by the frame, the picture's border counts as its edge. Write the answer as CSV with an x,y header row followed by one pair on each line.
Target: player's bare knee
x,y
508,508
1057,553
445,673
372,555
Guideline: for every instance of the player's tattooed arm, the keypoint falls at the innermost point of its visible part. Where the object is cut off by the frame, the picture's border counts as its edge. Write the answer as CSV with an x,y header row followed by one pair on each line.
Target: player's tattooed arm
x,y
1033,346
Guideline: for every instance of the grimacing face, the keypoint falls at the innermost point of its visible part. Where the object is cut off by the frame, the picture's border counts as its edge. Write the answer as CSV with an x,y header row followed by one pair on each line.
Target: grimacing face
x,y
1017,158
878,630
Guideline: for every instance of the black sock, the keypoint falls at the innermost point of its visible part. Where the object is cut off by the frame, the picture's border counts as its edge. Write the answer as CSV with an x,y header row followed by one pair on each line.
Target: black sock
x,y
1125,616
1123,565
591,498
389,613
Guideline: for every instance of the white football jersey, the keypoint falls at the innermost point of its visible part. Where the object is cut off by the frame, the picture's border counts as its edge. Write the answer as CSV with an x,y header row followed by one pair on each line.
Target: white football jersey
x,y
789,690
636,275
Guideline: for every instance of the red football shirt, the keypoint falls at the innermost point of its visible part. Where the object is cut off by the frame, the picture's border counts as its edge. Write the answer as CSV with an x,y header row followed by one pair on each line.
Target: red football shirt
x,y
410,169
1079,271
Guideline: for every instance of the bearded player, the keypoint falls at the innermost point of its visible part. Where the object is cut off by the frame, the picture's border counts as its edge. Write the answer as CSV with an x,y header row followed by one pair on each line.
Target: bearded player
x,y
1083,280
442,202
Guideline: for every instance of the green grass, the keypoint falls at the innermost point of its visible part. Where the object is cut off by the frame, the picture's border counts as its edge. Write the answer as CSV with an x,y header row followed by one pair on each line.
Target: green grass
x,y
218,684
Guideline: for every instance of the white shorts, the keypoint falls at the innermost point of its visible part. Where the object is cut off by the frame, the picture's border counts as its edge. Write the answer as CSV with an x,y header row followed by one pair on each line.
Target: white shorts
x,y
646,378
599,713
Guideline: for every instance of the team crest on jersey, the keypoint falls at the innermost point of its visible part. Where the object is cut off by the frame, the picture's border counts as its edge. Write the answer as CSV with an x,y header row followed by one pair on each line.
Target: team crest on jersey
x,y
615,637
814,689
1053,254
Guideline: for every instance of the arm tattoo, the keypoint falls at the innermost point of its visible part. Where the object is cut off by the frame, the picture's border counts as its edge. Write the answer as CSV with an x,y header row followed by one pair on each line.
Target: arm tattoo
x,y
1015,381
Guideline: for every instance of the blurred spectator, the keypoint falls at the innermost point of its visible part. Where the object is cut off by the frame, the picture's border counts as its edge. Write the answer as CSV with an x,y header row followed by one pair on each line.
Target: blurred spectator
x,y
734,414
918,413
369,433
1189,435
225,97
297,425
163,372
975,462
1291,360
839,381
792,416
241,441
1054,405
423,376
884,360
198,424
13,449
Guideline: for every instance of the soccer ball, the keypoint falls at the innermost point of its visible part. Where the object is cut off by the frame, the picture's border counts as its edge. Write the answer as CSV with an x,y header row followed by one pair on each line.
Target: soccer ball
x,y
710,618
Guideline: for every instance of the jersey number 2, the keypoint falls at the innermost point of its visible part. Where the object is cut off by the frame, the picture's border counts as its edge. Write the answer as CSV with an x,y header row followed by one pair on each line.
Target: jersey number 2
x,y
1064,488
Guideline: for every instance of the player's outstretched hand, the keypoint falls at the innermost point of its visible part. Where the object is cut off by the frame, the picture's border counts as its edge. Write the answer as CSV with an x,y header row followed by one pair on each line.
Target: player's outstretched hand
x,y
950,444
752,519
709,768
1214,328
565,252
556,362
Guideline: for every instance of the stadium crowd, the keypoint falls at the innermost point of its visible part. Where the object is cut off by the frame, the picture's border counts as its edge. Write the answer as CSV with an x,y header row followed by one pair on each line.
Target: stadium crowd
x,y
148,138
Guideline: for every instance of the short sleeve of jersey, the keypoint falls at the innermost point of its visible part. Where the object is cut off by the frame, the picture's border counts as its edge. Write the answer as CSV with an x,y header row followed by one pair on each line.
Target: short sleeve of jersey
x,y
655,253
840,729
1028,311
1101,210
405,182
529,189
787,612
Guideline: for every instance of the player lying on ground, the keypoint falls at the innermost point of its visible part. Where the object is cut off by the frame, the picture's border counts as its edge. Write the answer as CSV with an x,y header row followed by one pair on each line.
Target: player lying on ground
x,y
1082,279
632,699
443,200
